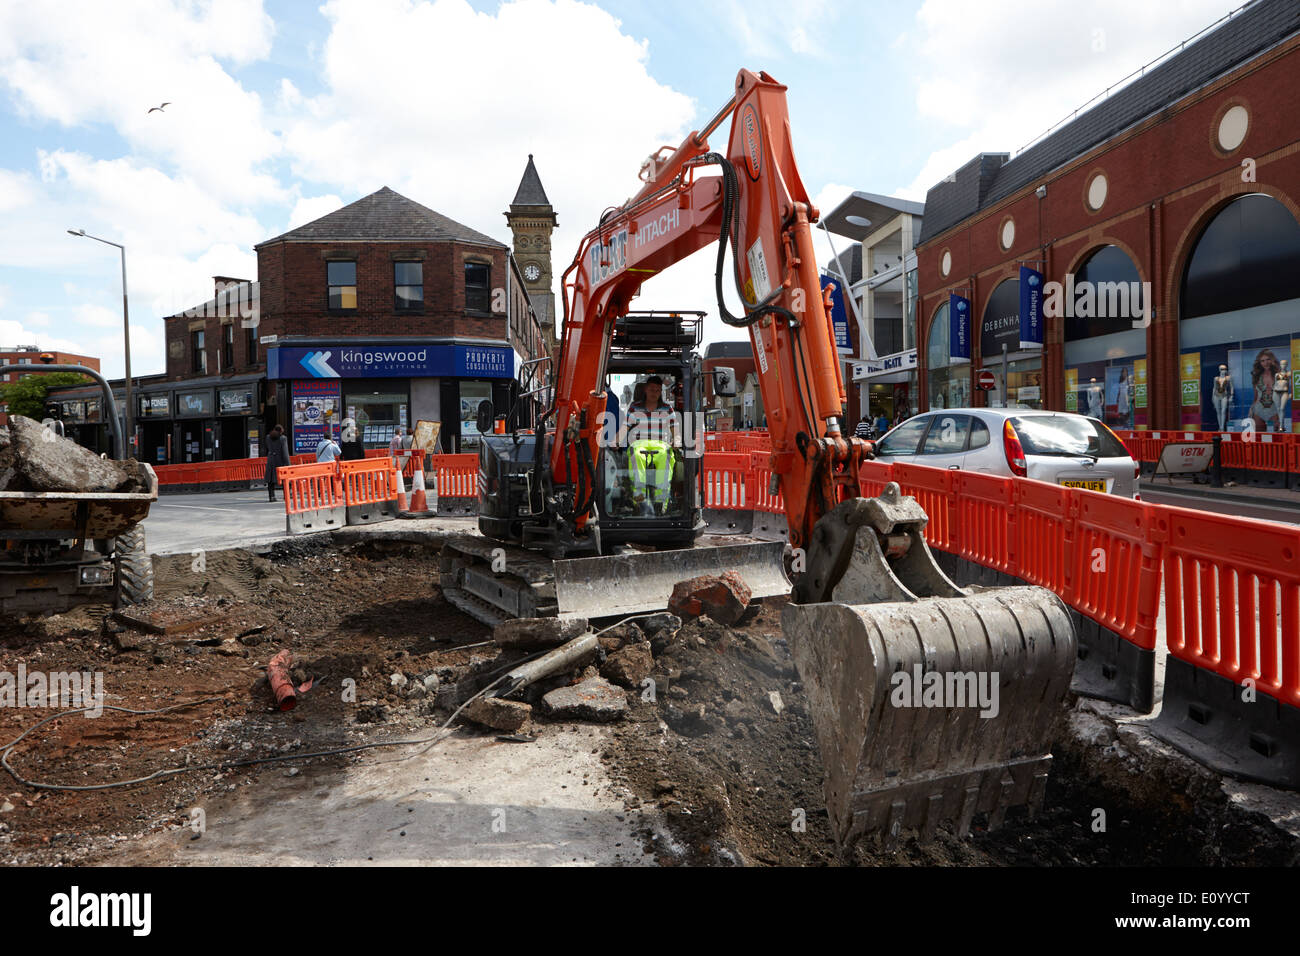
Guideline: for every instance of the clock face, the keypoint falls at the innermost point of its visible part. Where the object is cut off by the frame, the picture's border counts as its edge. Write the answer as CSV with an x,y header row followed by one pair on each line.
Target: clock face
x,y
531,272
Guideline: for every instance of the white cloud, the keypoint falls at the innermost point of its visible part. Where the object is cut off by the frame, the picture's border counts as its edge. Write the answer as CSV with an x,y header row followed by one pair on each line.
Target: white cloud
x,y
310,208
80,63
1001,78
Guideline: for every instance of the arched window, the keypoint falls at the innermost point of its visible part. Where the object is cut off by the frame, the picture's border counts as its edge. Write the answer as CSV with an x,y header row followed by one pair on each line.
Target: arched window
x,y
1247,255
1111,279
946,384
1239,338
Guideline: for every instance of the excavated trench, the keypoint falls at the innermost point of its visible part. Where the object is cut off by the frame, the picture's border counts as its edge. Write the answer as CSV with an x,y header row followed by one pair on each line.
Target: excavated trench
x,y
727,774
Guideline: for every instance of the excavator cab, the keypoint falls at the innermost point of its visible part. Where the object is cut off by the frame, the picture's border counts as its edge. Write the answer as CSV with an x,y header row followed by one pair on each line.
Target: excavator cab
x,y
652,434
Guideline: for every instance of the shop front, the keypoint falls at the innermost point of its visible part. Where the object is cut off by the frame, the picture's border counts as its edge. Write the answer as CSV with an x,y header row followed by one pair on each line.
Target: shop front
x,y
947,376
385,386
1239,333
889,385
1019,371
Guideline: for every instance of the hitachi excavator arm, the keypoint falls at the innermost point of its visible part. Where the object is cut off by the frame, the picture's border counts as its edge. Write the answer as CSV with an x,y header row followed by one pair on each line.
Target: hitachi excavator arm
x,y
869,602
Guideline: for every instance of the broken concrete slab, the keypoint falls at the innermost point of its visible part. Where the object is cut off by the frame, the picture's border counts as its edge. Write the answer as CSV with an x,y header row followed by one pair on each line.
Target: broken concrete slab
x,y
593,699
620,635
510,716
629,666
724,597
42,461
170,621
529,633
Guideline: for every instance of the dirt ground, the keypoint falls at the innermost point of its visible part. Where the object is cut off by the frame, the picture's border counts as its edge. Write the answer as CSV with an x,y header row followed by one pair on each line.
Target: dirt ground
x,y
717,768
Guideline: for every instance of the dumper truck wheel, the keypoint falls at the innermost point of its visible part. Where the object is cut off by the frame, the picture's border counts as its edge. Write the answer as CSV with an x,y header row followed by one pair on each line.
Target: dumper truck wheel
x,y
134,569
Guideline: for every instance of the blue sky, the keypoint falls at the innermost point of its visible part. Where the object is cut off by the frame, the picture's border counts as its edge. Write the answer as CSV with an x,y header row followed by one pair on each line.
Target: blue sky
x,y
283,111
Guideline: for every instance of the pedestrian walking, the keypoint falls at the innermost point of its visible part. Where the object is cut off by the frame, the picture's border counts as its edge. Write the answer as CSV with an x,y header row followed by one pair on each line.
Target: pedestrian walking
x,y
395,443
327,450
277,456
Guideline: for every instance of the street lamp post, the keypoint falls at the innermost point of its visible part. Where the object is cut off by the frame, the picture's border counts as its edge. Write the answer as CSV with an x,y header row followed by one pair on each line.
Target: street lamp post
x,y
126,337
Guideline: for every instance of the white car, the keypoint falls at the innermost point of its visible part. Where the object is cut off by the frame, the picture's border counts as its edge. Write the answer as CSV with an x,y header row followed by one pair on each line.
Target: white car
x,y
1059,447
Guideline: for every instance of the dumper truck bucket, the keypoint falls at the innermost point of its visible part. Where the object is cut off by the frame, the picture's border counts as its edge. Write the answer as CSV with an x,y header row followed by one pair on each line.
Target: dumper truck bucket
x,y
638,582
931,704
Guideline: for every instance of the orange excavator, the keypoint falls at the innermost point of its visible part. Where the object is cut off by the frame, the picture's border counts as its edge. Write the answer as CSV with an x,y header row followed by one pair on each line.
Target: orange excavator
x,y
931,703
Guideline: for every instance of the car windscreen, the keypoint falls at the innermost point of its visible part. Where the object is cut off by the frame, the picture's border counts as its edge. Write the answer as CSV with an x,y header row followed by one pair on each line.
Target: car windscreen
x,y
1067,435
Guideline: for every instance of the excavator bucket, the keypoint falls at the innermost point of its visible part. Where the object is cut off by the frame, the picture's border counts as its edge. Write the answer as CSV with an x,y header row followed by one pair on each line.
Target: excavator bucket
x,y
930,703
637,582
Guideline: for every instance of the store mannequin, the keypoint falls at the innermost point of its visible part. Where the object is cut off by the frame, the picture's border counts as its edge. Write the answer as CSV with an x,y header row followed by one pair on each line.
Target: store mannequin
x,y
1282,393
1094,398
1222,396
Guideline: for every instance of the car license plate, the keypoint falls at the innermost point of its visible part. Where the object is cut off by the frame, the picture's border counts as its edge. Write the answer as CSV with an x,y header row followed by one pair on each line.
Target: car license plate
x,y
1089,485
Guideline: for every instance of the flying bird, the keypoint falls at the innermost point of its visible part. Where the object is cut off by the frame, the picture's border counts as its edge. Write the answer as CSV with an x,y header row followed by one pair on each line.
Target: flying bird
x,y
159,108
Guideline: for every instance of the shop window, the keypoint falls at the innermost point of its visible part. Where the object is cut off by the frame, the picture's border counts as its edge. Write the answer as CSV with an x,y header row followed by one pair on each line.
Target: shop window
x,y
408,285
198,354
228,346
1109,291
478,281
947,385
342,279
378,415
1248,255
250,345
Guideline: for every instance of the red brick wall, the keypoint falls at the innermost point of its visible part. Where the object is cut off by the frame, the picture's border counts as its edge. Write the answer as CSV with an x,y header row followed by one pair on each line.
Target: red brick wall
x,y
293,296
1166,179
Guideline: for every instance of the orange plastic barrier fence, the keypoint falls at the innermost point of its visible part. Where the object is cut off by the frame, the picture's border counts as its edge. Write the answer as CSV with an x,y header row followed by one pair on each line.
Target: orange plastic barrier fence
x,y
873,477
1114,572
984,506
313,497
725,476
457,475
764,500
369,489
1232,597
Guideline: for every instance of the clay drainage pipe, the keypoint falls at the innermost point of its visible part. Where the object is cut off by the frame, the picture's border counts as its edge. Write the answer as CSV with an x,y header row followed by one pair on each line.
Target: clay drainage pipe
x,y
277,672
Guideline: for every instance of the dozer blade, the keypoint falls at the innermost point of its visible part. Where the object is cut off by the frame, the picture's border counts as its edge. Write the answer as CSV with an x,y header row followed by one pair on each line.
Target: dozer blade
x,y
931,704
643,581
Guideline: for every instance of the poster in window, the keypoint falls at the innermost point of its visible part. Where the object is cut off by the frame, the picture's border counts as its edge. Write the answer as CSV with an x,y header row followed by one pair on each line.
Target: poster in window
x,y
1260,391
1071,389
316,407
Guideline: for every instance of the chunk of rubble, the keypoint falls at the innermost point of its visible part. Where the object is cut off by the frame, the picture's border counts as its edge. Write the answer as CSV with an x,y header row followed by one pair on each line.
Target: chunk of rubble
x,y
33,458
510,716
592,699
529,633
723,597
629,666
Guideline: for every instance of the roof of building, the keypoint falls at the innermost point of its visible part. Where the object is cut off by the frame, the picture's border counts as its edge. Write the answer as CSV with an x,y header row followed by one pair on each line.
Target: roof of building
x,y
876,209
385,214
530,192
848,265
991,177
717,350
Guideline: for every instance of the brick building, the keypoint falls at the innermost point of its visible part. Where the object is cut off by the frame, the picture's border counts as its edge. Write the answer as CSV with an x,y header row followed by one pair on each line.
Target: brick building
x,y
31,355
384,311
1163,226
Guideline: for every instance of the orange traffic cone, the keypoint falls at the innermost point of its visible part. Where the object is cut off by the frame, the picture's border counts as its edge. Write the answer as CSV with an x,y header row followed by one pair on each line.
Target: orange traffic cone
x,y
419,504
401,486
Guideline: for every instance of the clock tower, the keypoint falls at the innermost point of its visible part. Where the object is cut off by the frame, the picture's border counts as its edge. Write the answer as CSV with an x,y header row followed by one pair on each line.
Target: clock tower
x,y
532,220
